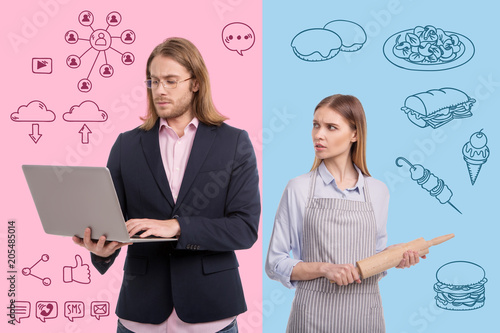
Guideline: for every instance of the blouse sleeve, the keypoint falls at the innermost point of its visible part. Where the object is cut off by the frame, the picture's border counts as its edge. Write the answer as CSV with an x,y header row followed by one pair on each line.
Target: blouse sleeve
x,y
287,236
381,208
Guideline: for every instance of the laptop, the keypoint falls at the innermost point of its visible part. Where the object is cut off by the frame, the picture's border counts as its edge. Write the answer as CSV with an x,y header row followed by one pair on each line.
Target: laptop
x,y
71,198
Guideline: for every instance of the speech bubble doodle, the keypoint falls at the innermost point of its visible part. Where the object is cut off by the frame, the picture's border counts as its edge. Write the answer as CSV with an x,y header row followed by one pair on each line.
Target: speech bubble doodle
x,y
99,309
46,310
238,37
74,309
22,309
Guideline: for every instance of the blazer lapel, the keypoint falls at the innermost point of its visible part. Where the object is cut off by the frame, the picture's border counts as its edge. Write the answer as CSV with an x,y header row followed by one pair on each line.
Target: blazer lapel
x,y
151,149
202,143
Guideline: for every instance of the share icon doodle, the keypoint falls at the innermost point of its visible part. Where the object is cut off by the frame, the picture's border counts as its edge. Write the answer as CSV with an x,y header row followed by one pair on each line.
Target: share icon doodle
x,y
27,271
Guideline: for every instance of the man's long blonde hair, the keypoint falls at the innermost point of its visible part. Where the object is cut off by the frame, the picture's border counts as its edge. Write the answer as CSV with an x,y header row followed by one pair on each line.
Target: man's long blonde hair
x,y
185,53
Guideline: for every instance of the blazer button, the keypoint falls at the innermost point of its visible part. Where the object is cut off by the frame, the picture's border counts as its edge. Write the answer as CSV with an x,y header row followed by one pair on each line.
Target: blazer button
x,y
175,216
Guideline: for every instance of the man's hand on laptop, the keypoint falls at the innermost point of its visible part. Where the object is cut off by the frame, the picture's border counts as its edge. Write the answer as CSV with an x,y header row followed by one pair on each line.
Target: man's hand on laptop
x,y
101,247
150,227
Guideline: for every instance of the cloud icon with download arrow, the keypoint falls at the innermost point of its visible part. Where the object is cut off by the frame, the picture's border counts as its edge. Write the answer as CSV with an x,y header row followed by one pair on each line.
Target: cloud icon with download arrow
x,y
87,111
35,111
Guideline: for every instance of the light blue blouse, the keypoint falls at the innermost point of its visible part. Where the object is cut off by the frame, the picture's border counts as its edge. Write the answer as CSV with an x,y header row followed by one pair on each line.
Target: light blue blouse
x,y
288,223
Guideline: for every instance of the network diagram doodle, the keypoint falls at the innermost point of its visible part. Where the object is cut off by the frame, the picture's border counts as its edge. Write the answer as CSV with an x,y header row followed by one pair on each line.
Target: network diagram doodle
x,y
429,182
475,153
320,44
427,48
460,286
34,112
437,107
101,41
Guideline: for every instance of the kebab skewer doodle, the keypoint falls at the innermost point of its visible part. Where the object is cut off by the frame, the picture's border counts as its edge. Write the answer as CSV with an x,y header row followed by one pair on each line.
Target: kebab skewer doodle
x,y
429,182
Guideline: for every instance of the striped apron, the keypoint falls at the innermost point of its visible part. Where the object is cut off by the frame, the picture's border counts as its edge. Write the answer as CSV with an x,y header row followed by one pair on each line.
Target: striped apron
x,y
337,231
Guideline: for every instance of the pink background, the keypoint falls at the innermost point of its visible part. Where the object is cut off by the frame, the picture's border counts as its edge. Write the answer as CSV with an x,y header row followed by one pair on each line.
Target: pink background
x,y
39,28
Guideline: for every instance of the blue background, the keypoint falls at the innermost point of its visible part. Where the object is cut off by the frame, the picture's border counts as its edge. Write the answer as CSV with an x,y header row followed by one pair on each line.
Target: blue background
x,y
292,88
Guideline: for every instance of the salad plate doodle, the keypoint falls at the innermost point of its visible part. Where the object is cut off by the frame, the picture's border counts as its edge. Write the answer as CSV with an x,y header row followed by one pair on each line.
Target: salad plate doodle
x,y
428,49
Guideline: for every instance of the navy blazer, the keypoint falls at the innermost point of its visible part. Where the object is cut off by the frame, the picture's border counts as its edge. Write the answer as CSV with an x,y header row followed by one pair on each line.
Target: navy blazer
x,y
218,209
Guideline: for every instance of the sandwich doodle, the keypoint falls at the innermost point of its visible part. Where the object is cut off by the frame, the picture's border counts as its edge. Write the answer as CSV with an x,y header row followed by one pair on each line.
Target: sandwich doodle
x,y
437,107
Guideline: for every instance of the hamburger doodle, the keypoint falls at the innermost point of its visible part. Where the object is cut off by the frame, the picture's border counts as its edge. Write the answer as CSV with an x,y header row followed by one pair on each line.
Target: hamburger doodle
x,y
437,107
475,153
428,48
460,286
429,182
320,44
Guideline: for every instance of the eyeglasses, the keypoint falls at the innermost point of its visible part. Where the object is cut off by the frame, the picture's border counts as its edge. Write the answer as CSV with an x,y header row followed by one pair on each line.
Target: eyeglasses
x,y
168,84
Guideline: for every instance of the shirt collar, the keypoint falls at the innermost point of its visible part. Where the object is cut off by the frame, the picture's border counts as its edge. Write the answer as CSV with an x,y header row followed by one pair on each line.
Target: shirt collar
x,y
193,124
329,179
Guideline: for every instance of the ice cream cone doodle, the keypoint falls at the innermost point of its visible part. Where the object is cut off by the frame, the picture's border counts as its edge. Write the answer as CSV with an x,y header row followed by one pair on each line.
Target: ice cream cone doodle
x,y
429,182
476,153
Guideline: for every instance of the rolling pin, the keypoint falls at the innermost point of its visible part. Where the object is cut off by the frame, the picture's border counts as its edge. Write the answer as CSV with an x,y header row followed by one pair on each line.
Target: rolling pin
x,y
392,257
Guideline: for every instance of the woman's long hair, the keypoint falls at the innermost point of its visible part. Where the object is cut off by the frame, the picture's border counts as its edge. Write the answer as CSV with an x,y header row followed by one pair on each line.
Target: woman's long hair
x,y
350,108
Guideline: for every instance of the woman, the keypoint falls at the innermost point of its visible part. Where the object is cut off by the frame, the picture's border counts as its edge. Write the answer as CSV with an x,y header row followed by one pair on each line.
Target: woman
x,y
330,218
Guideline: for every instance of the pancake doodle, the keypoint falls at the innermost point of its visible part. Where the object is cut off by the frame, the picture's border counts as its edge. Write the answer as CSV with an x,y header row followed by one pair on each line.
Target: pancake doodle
x,y
475,153
460,286
428,48
320,44
437,107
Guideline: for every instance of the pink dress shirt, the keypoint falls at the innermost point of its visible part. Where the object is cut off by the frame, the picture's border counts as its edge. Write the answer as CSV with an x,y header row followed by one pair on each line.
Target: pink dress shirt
x,y
175,152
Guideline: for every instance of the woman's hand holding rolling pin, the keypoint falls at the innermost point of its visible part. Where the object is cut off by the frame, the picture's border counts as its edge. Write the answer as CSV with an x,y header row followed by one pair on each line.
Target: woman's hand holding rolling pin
x,y
410,258
342,275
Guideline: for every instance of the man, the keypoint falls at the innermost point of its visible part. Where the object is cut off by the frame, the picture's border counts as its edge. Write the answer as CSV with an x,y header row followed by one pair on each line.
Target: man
x,y
183,173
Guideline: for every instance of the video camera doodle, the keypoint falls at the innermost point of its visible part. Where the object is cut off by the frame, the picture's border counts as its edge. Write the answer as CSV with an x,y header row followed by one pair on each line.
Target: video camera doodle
x,y
27,271
41,65
46,310
238,37
101,41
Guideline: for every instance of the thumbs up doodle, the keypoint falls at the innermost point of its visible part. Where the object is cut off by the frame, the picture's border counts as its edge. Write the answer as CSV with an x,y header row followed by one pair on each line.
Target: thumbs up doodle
x,y
79,273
